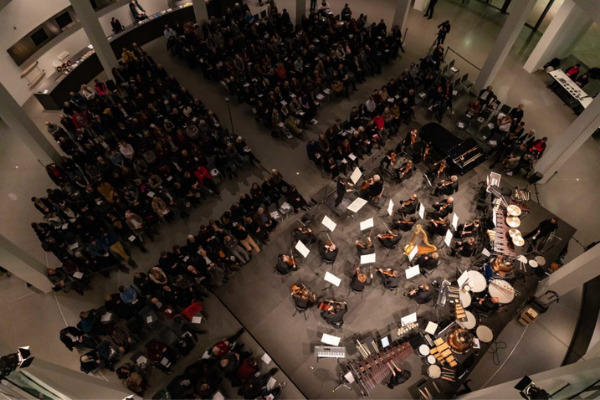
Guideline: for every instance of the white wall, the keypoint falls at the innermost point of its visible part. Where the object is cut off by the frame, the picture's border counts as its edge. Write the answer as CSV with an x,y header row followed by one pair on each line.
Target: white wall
x,y
123,13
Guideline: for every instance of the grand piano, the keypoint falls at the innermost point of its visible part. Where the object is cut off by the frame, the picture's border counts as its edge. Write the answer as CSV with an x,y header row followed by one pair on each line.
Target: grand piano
x,y
462,155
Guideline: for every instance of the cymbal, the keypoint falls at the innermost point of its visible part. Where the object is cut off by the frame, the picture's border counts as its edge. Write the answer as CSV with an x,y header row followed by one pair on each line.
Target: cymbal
x,y
512,232
540,260
513,222
518,241
513,210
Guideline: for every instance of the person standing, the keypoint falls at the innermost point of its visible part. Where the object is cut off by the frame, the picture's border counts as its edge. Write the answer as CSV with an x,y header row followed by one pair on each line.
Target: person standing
x,y
341,189
444,29
429,12
313,5
545,228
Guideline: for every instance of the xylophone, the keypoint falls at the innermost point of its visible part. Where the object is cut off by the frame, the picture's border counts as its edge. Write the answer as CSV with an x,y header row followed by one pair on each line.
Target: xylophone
x,y
502,240
373,370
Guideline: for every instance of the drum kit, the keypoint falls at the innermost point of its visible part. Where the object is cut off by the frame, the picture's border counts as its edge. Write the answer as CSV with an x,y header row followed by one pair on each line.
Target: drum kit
x,y
513,221
502,290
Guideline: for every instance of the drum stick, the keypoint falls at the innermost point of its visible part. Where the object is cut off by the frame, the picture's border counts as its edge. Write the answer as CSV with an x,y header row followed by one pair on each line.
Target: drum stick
x,y
435,386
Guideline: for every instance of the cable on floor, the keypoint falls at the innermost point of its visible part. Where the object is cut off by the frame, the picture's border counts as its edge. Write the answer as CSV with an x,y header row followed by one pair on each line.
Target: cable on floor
x,y
495,349
507,358
60,309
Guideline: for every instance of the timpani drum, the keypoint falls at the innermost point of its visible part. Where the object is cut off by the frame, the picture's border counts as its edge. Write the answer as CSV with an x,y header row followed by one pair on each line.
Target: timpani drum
x,y
533,264
501,290
434,371
431,359
541,261
476,282
424,350
465,298
484,334
470,322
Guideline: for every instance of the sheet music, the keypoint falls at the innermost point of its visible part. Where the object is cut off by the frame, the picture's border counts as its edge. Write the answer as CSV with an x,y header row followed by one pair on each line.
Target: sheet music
x,y
331,278
366,224
349,377
421,210
408,319
329,224
448,237
463,279
455,221
411,272
367,258
196,319
218,396
330,339
356,174
431,327
385,341
486,252
390,208
357,204
266,359
78,275
413,253
302,249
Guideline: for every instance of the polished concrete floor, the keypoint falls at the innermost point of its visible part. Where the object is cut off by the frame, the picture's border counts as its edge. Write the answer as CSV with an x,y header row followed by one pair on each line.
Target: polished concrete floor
x,y
35,319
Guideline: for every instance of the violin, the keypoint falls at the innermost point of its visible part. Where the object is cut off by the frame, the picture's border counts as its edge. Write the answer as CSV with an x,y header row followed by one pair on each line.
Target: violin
x,y
406,169
387,272
388,235
329,246
392,157
444,183
426,151
446,204
328,305
289,260
407,203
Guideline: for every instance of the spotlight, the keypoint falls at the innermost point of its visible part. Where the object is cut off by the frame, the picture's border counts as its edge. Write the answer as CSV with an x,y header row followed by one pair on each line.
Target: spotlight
x,y
529,391
12,361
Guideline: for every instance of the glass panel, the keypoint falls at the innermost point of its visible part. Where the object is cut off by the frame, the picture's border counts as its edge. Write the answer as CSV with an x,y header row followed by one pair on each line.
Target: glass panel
x,y
587,49
31,386
551,13
536,12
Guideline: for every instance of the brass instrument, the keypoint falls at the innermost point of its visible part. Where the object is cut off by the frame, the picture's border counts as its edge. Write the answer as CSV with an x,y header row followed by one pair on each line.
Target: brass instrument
x,y
470,160
426,248
460,158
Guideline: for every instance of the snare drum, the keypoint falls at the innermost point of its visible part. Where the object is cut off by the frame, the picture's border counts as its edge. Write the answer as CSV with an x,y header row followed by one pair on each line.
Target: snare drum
x,y
431,359
424,350
533,264
434,371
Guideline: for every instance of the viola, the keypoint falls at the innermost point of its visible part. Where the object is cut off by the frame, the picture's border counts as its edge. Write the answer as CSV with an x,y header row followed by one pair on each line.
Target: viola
x,y
367,184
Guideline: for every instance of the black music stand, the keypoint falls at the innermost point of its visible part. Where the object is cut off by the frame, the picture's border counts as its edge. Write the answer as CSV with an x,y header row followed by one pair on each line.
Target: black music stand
x,y
343,382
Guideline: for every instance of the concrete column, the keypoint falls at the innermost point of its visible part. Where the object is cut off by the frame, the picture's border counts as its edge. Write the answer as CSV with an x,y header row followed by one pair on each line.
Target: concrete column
x,y
22,126
560,150
567,26
95,33
421,5
23,265
300,11
578,375
401,14
573,274
200,11
519,11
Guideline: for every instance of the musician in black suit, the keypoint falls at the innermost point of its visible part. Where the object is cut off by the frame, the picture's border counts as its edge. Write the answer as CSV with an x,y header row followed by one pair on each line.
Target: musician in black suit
x,y
438,227
404,224
342,187
486,304
365,248
428,261
389,239
389,277
409,206
335,316
399,376
303,297
466,230
360,280
421,294
285,264
545,228
328,251
441,208
464,248
304,234
447,187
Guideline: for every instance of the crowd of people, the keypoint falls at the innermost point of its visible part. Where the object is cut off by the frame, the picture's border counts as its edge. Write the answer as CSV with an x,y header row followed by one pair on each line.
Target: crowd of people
x,y
281,71
140,151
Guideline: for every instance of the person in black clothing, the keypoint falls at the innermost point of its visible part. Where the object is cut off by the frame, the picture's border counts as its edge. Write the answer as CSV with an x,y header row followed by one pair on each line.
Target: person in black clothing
x,y
116,25
444,29
360,280
335,315
285,264
342,187
428,261
486,304
389,239
389,277
442,208
365,248
517,113
421,294
74,338
304,234
409,206
399,375
303,297
328,251
429,12
447,187
464,248
543,229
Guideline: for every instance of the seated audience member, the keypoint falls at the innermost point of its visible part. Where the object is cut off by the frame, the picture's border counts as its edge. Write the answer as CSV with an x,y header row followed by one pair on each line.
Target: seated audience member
x,y
161,355
74,338
137,11
132,379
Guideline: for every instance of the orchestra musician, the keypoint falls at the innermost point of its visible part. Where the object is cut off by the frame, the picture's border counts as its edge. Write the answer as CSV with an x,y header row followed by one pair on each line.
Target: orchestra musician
x,y
424,152
304,234
342,187
366,247
501,267
464,248
328,251
428,261
389,161
545,228
486,304
422,294
438,226
408,143
286,264
389,277
441,208
404,224
399,376
438,170
405,171
372,188
360,280
333,312
389,239
466,230
409,206
302,296
446,187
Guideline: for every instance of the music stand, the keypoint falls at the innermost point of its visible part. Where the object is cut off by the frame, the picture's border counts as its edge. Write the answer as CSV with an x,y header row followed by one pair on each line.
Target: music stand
x,y
344,381
549,240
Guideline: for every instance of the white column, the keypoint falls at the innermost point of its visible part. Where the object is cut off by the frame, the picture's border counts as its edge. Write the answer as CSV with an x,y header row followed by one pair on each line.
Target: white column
x,y
300,11
519,11
567,26
421,5
200,11
573,274
23,265
561,149
401,14
95,33
22,126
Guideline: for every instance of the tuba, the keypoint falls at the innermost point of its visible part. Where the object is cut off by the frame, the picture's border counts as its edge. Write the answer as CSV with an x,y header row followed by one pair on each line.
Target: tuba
x,y
424,248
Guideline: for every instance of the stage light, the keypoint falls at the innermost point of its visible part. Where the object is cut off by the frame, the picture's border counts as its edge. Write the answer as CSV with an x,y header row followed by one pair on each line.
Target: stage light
x,y
12,361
